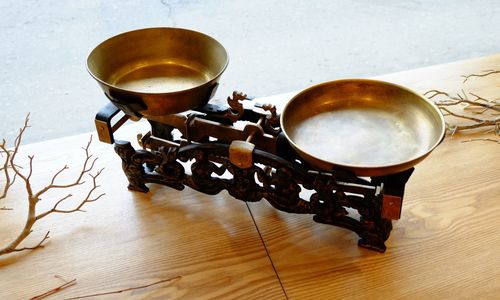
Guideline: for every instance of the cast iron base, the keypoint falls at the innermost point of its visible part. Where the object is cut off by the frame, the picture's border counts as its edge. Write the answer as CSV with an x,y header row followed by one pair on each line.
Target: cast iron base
x,y
337,198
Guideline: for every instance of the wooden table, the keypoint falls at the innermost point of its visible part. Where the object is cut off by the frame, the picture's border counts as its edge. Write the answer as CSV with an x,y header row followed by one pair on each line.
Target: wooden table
x,y
445,246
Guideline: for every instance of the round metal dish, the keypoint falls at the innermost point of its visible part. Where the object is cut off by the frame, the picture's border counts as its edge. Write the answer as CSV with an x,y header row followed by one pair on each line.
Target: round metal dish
x,y
158,71
370,127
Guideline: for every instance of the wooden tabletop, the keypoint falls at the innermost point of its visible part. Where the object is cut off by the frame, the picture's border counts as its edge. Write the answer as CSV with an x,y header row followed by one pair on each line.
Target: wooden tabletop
x,y
445,246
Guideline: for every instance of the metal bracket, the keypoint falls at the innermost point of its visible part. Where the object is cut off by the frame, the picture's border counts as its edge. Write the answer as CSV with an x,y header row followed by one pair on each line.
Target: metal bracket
x,y
103,122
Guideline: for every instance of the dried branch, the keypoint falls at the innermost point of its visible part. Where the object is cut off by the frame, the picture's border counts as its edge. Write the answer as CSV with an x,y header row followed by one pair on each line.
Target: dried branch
x,y
17,143
9,156
63,286
486,73
86,200
128,289
46,237
5,168
484,140
88,165
478,111
35,197
451,101
478,122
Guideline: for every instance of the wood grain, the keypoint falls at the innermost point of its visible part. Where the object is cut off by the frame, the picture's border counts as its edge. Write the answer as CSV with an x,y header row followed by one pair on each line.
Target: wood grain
x,y
129,239
446,245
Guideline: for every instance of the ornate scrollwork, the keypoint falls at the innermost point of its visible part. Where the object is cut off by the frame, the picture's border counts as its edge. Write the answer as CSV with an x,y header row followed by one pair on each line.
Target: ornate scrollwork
x,y
202,169
236,107
271,177
171,170
132,165
272,121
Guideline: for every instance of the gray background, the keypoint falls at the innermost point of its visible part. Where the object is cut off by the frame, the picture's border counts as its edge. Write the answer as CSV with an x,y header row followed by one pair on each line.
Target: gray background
x,y
274,46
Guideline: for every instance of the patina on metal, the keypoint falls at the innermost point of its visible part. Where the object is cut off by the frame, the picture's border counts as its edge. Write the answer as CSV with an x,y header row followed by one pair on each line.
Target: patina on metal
x,y
158,71
370,127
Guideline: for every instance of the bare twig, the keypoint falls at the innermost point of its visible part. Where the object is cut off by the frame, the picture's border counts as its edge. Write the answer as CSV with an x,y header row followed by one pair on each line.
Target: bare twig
x,y
480,112
38,245
482,139
88,165
8,163
479,122
486,73
35,196
55,290
451,101
86,200
8,181
128,289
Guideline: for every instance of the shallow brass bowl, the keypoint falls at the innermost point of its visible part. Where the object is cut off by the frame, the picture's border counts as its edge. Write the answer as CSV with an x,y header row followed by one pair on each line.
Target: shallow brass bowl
x,y
370,127
158,71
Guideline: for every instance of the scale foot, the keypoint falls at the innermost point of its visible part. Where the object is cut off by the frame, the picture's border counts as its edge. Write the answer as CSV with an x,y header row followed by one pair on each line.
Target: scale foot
x,y
372,245
142,189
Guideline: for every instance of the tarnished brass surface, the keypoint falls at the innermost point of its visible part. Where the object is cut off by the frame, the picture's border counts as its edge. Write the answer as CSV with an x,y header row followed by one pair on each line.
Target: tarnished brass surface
x,y
373,128
198,129
158,71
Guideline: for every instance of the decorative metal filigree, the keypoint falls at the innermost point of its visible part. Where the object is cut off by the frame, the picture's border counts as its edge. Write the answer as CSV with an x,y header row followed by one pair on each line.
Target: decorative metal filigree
x,y
236,107
271,177
272,121
194,150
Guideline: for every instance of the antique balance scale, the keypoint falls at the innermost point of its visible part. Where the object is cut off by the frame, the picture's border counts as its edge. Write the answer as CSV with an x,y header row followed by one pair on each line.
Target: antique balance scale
x,y
341,151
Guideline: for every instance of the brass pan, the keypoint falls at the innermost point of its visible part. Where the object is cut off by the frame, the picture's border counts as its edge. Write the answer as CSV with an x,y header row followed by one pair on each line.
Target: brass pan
x,y
370,127
158,71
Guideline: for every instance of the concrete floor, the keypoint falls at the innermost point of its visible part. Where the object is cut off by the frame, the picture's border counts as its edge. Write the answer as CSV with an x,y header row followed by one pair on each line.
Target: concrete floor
x,y
274,46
